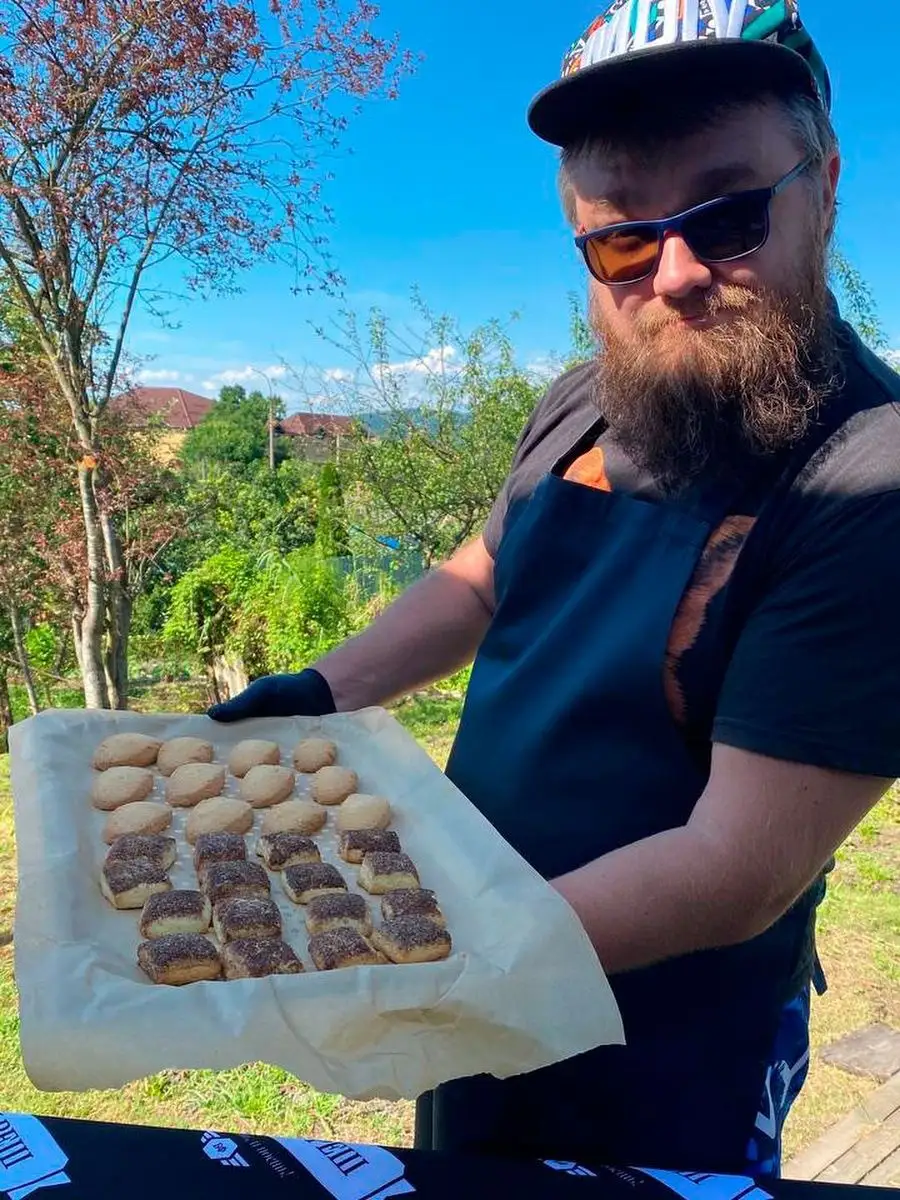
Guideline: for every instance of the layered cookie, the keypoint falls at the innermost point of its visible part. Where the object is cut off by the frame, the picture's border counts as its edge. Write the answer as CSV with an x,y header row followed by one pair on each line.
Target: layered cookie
x,y
175,912
342,948
281,850
382,873
231,880
130,883
179,958
253,958
356,843
412,940
412,902
156,848
307,880
338,910
212,848
241,918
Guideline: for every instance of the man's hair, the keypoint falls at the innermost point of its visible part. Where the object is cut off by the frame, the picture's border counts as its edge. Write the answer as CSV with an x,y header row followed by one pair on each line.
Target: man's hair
x,y
807,121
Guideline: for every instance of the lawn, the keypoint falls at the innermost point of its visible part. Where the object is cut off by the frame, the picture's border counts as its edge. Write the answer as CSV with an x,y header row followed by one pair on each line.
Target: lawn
x,y
860,948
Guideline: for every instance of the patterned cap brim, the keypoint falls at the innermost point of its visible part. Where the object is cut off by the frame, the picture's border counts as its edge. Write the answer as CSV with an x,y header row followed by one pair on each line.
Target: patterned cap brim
x,y
589,102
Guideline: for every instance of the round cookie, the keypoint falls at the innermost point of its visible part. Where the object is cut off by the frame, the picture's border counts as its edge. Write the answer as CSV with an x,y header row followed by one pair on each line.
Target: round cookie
x,y
126,750
312,754
294,816
265,785
141,817
193,782
364,812
332,785
121,785
175,753
252,753
220,814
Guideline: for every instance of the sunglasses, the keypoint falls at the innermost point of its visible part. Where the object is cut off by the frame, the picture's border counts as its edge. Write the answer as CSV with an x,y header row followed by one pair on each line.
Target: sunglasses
x,y
718,231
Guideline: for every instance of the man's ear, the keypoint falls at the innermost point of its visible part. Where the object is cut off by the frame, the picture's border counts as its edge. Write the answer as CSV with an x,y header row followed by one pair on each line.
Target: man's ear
x,y
830,179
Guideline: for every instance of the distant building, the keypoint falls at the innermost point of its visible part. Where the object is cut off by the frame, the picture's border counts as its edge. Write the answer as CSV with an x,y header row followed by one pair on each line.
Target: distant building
x,y
317,437
176,410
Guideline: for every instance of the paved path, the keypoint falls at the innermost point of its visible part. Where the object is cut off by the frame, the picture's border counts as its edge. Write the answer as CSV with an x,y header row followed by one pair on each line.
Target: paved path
x,y
864,1147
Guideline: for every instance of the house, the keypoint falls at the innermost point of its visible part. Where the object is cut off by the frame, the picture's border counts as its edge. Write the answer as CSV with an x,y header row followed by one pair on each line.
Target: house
x,y
317,437
172,408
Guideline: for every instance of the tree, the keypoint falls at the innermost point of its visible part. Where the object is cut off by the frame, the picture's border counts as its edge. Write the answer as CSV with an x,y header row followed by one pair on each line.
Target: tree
x,y
449,408
331,516
859,305
138,131
235,432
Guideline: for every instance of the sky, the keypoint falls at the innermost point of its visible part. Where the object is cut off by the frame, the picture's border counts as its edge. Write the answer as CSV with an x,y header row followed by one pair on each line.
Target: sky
x,y
447,191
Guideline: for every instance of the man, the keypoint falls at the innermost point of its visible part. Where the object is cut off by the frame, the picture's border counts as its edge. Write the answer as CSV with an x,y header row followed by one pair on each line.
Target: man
x,y
686,689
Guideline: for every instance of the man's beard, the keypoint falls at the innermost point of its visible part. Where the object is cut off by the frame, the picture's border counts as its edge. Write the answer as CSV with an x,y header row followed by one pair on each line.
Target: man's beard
x,y
681,400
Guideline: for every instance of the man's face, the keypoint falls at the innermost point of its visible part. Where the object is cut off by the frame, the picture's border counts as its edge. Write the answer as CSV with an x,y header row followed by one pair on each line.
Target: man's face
x,y
697,345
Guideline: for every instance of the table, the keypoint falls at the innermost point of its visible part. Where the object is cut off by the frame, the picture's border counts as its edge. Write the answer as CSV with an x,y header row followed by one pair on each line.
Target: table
x,y
83,1160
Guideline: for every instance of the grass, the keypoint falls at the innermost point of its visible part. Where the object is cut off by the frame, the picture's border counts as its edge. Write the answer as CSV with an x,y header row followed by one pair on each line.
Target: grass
x,y
859,947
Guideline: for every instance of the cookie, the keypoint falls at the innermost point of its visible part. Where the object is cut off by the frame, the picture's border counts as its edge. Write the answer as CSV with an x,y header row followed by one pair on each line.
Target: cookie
x,y
294,816
175,912
141,817
157,849
181,750
252,753
338,910
179,958
332,785
382,873
121,785
312,754
230,880
412,940
266,785
411,902
280,850
211,848
246,917
131,884
312,879
354,845
221,814
193,782
364,812
126,750
254,958
342,948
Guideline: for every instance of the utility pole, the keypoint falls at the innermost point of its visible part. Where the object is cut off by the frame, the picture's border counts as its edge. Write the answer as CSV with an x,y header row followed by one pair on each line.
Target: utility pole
x,y
271,430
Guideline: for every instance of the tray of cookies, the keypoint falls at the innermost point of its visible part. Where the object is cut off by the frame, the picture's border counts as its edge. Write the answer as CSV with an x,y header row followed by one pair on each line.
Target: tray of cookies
x,y
308,892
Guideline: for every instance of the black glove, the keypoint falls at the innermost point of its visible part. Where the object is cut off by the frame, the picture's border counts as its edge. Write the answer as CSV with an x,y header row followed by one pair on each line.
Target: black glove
x,y
303,695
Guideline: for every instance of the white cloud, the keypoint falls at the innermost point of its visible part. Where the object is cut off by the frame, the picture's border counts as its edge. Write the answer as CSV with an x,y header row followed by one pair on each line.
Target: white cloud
x,y
433,361
337,375
160,375
892,358
250,375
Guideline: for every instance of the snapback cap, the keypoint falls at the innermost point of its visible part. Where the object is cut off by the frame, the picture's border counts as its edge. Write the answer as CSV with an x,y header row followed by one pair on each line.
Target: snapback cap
x,y
636,46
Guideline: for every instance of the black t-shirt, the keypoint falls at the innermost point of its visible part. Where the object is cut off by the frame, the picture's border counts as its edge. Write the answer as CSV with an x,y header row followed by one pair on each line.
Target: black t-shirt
x,y
787,640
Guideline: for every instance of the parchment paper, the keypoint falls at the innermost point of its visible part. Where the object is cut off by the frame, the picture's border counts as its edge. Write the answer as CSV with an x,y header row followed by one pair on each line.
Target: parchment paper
x,y
522,988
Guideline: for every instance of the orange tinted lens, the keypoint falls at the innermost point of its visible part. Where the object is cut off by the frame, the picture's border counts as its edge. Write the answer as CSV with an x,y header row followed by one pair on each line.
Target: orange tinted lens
x,y
623,257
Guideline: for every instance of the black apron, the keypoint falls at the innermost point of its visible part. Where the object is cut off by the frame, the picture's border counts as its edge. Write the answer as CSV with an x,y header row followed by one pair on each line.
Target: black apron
x,y
567,709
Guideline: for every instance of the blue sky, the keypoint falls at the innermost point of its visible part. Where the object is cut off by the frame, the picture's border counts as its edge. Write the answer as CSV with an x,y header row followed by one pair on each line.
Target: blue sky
x,y
447,190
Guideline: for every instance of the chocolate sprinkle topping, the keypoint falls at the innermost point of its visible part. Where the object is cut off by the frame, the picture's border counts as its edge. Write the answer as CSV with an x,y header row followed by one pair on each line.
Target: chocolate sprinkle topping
x,y
261,917
390,864
174,904
154,847
409,933
176,949
337,904
255,957
410,902
280,847
368,841
222,880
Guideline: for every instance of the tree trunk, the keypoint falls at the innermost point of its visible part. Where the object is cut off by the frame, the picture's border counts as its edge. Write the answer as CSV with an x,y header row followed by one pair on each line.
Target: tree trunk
x,y
6,717
15,622
93,622
116,659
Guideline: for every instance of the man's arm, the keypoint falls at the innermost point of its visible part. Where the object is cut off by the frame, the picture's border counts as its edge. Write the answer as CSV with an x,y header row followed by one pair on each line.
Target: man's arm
x,y
431,630
759,836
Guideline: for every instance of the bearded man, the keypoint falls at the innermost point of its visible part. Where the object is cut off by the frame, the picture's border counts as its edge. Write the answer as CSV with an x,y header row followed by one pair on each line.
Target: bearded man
x,y
686,683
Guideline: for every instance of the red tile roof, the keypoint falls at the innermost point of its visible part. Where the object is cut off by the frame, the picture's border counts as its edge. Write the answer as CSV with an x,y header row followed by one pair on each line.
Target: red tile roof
x,y
308,424
177,408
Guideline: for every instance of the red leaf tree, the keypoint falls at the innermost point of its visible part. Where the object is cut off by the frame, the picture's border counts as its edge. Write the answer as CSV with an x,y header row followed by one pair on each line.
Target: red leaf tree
x,y
133,132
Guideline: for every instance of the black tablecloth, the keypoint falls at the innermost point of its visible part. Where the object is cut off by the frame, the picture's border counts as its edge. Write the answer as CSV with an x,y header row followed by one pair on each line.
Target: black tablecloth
x,y
82,1160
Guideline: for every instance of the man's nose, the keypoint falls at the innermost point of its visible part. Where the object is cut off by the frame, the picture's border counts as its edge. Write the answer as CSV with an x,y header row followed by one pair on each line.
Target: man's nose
x,y
679,272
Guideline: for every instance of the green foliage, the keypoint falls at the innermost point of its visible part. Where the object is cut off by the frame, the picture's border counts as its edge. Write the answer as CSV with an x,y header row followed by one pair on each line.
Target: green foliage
x,y
236,430
331,518
42,645
204,603
858,302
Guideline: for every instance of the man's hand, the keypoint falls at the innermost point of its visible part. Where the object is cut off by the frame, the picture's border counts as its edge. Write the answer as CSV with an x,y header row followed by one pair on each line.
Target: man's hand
x,y
303,695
